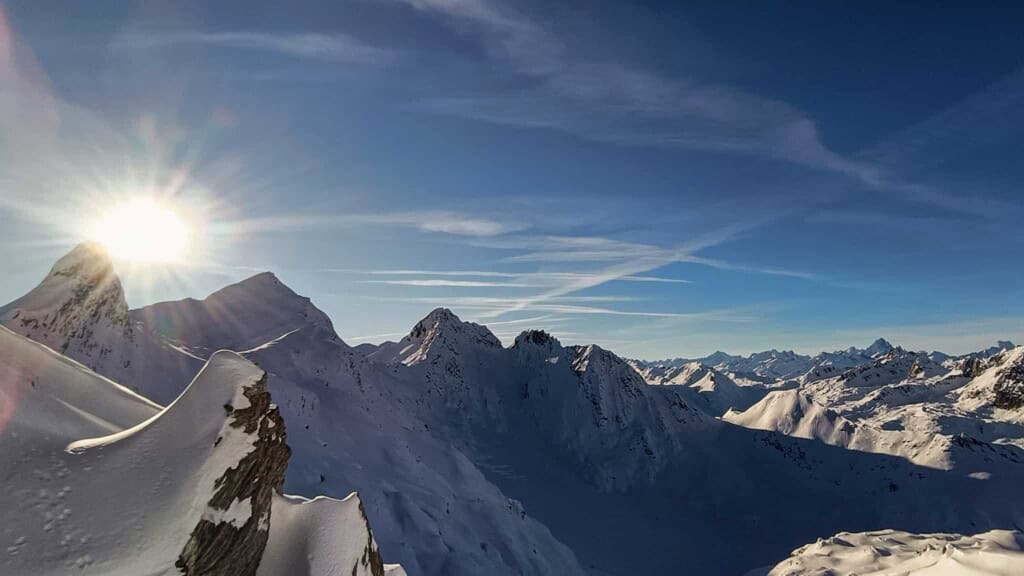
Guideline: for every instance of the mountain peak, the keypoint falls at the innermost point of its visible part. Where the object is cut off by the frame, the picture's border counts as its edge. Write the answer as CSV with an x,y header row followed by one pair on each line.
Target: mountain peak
x,y
536,338
717,357
76,306
88,261
81,284
242,316
879,346
442,330
442,321
438,318
593,356
265,285
85,253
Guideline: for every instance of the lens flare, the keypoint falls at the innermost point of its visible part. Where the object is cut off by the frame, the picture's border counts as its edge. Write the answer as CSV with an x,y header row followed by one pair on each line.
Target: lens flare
x,y
143,230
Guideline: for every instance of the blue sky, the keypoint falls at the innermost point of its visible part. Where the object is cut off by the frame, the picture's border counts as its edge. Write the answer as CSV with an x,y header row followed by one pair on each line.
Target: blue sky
x,y
663,179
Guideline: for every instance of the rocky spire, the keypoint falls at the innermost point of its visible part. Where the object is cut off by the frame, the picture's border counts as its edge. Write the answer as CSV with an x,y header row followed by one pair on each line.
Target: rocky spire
x,y
218,545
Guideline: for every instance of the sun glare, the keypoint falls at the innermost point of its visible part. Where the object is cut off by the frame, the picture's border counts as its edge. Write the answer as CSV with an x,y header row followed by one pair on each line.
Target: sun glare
x,y
143,230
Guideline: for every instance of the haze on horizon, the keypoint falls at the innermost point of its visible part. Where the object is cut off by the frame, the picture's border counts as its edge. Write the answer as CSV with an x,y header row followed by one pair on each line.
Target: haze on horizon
x,y
660,179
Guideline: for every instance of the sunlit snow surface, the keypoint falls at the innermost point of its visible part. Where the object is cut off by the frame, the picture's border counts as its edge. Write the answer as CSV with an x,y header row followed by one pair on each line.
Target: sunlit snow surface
x,y
894,553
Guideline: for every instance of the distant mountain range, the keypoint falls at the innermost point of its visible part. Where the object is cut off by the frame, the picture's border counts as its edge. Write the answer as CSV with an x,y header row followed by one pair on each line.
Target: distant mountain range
x,y
788,365
539,458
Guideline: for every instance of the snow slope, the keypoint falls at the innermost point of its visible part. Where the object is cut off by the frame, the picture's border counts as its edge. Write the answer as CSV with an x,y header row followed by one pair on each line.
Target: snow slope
x,y
131,502
896,553
321,537
48,400
186,487
793,413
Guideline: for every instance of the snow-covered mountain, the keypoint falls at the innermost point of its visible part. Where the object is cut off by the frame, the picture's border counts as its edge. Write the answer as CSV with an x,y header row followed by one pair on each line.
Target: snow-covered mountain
x,y
768,365
905,404
773,365
79,310
706,387
431,508
535,423
541,458
998,389
241,317
98,480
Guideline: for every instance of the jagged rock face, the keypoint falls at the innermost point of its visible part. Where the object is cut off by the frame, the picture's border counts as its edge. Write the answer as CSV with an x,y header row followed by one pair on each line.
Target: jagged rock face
x,y
971,367
1009,387
223,547
537,337
537,345
895,365
997,383
79,309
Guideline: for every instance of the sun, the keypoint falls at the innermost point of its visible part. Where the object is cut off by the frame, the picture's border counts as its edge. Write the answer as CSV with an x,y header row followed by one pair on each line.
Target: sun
x,y
142,230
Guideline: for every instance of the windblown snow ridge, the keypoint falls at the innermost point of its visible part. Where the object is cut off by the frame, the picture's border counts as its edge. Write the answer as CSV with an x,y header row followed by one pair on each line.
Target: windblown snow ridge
x,y
191,489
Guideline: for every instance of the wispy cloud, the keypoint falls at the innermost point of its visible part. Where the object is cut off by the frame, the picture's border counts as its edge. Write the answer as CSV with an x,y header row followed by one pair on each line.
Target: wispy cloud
x,y
771,271
450,223
450,283
621,259
547,319
655,279
622,102
438,221
526,279
485,307
558,290
338,48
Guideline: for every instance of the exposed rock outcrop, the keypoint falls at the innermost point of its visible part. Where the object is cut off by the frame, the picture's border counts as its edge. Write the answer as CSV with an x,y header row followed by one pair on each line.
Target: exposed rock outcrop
x,y
1009,386
224,546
